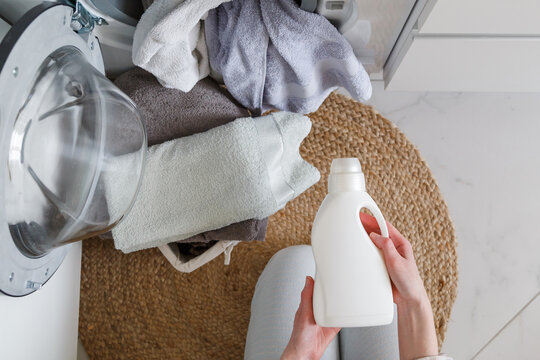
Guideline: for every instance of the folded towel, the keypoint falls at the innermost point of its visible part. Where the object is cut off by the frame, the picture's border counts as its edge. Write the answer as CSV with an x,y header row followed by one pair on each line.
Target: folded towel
x,y
169,43
272,54
171,113
249,168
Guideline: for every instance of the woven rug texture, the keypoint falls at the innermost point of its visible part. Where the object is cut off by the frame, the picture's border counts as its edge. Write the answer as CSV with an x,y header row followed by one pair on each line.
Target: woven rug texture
x,y
136,306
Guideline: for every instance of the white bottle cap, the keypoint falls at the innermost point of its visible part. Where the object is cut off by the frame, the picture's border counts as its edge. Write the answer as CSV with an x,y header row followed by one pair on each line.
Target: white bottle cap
x,y
345,165
346,175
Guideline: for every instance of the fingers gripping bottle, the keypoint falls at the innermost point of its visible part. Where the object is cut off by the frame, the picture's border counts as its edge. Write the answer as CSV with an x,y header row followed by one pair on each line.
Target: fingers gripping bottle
x,y
352,286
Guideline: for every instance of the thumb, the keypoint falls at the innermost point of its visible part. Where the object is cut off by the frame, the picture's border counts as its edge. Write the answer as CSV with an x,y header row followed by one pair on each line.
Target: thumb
x,y
306,301
307,292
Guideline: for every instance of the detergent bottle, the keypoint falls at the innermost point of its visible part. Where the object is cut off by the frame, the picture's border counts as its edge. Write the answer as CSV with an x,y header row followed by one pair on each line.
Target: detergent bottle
x,y
352,286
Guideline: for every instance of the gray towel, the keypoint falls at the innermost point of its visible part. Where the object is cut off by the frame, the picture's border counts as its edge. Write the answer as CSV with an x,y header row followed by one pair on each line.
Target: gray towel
x,y
272,54
248,230
170,114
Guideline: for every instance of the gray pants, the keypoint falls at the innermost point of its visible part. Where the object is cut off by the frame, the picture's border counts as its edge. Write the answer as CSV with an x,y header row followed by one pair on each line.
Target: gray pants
x,y
275,301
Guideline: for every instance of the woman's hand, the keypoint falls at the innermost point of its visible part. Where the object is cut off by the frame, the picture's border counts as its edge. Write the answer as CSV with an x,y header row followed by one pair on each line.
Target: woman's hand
x,y
308,340
417,337
407,285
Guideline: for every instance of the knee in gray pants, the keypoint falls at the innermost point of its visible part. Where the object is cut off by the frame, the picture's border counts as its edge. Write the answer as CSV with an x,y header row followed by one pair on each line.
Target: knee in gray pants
x,y
276,298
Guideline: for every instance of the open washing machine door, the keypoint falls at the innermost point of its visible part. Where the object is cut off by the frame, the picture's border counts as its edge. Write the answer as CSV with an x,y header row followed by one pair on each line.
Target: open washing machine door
x,y
72,145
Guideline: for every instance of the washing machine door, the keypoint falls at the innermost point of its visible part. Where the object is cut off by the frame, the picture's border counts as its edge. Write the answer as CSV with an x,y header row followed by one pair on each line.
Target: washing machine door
x,y
72,145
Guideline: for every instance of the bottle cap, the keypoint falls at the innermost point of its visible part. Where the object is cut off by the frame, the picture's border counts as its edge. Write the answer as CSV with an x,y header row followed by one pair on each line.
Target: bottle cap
x,y
345,166
346,175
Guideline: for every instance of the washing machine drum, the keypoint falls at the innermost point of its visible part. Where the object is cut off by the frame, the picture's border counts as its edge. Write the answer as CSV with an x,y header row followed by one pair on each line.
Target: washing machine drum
x,y
72,145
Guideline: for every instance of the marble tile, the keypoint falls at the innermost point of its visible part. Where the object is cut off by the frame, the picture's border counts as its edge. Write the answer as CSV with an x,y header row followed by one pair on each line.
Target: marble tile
x,y
484,151
519,339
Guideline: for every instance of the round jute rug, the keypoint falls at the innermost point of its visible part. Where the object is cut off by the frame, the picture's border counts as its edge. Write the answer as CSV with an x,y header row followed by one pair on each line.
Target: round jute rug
x,y
137,306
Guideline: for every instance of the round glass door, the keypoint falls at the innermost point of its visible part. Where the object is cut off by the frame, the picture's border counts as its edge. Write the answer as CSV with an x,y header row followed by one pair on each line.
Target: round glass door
x,y
76,156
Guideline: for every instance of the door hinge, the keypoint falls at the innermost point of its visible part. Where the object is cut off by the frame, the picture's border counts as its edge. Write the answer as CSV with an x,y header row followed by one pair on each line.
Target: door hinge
x,y
82,21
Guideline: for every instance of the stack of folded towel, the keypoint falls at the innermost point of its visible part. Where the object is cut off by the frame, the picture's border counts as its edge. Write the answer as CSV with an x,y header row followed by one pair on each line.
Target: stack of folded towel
x,y
213,174
270,53
170,114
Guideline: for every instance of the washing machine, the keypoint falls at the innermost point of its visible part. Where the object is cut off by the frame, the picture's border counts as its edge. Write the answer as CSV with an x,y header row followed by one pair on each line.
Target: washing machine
x,y
72,150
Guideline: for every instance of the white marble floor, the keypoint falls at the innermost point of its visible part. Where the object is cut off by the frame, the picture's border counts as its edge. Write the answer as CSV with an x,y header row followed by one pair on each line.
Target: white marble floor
x,y
484,150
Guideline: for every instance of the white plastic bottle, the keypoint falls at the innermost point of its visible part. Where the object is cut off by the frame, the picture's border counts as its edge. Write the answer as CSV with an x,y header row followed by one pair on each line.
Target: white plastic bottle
x,y
352,286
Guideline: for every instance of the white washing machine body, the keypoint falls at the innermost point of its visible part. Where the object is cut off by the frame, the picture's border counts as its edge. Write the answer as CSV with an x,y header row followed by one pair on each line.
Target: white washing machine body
x,y
39,295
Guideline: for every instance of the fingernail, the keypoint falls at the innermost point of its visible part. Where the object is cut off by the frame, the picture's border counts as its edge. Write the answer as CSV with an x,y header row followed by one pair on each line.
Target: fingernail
x,y
307,282
373,235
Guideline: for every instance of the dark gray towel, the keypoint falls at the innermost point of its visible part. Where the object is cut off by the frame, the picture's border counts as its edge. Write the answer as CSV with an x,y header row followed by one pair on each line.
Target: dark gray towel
x,y
171,113
244,230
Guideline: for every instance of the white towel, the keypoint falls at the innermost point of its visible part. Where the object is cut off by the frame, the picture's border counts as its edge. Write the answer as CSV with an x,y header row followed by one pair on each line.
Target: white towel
x,y
249,168
169,42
